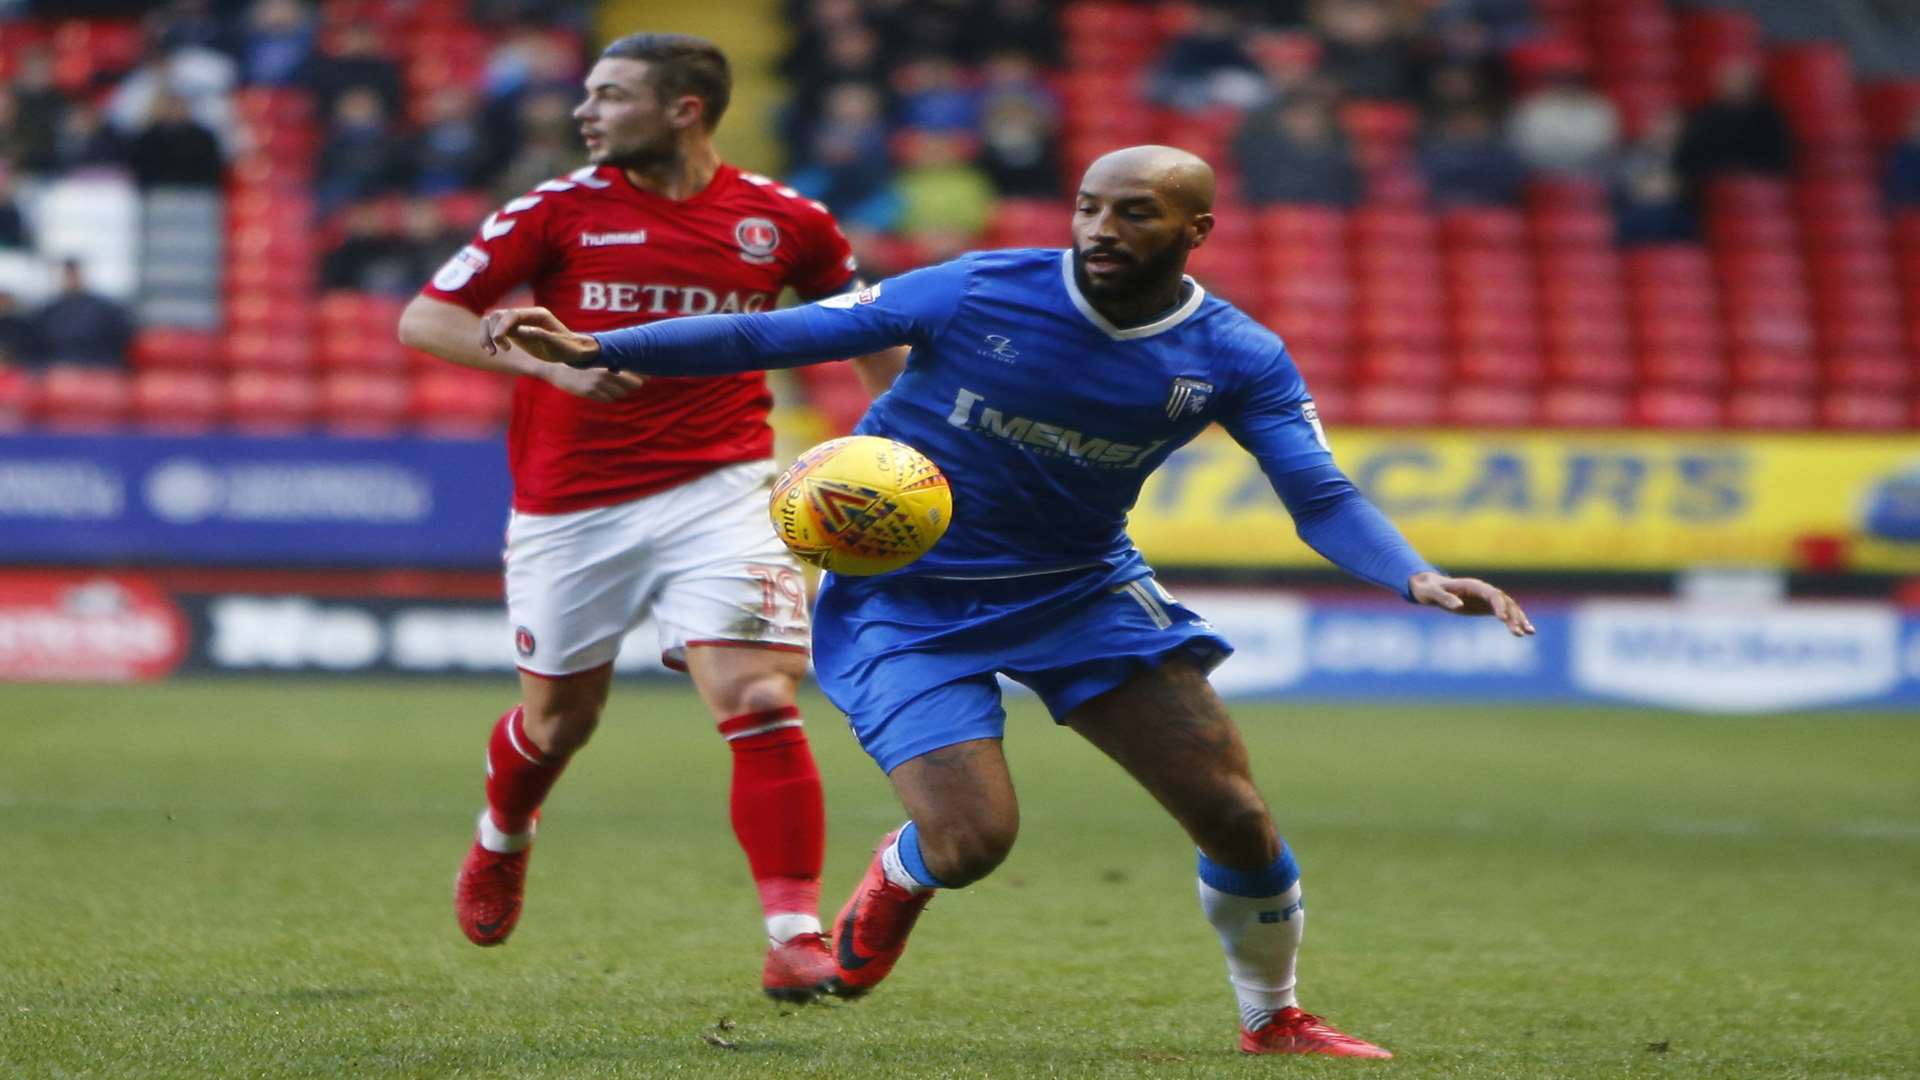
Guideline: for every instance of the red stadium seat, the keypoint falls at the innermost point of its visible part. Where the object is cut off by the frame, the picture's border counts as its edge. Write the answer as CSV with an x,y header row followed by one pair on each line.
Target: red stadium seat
x,y
1887,373
165,347
182,401
1770,409
1888,108
1589,364
1774,367
1485,228
271,402
1511,364
1392,405
1856,410
1491,405
1403,367
1670,366
16,397
364,402
1585,407
459,402
1677,407
72,397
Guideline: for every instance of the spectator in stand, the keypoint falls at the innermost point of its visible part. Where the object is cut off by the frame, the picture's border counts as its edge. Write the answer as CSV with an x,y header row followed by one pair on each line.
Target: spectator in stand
x,y
450,153
1650,205
1738,130
1208,65
278,43
1019,127
1289,61
200,76
87,141
173,150
1293,152
362,156
1467,163
19,336
549,143
31,111
1365,51
1033,24
82,327
356,63
191,24
369,257
945,199
1564,127
850,55
1504,21
933,95
848,164
13,224
1902,179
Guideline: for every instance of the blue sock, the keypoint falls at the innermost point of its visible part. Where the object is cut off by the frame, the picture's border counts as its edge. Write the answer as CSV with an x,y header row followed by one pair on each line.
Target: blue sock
x,y
904,860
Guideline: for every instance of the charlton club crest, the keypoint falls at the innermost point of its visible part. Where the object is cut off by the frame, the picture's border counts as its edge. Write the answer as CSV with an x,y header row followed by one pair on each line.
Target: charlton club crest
x,y
757,238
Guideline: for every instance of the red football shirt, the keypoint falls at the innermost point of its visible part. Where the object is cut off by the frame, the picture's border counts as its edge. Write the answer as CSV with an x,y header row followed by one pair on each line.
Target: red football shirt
x,y
601,253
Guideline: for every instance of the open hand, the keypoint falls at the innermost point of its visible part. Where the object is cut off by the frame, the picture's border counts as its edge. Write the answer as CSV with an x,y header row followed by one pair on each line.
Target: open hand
x,y
540,334
594,384
1469,596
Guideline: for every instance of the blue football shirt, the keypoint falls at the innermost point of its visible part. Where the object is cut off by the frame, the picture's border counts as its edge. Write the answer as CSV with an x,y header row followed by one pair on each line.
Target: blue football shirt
x,y
1045,417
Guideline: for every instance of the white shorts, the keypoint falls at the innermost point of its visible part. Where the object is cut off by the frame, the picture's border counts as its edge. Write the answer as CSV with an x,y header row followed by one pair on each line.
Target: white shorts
x,y
700,558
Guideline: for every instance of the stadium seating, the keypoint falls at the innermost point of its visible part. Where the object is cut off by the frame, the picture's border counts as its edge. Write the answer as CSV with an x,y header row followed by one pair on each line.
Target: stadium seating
x,y
1799,308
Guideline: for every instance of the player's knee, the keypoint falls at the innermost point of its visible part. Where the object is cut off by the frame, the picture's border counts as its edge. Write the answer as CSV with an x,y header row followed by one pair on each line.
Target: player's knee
x,y
963,854
559,730
762,692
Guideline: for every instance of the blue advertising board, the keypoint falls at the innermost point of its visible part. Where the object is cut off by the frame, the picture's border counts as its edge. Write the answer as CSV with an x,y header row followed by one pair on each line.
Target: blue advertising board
x,y
200,500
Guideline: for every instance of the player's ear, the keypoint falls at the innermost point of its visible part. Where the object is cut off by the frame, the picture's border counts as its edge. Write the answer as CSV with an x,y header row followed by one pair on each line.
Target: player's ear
x,y
687,111
1198,230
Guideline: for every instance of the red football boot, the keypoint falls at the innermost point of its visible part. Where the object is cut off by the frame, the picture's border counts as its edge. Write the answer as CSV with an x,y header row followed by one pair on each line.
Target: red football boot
x,y
1291,1031
798,970
487,893
872,929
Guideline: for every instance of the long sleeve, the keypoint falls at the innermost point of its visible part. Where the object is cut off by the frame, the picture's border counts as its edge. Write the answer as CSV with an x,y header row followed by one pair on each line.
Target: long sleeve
x,y
1275,421
908,309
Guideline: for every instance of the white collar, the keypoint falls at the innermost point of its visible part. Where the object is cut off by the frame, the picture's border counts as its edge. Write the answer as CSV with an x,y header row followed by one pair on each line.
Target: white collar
x,y
1166,322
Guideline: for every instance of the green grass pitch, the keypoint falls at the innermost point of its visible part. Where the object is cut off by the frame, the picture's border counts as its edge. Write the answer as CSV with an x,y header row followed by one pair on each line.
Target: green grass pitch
x,y
251,878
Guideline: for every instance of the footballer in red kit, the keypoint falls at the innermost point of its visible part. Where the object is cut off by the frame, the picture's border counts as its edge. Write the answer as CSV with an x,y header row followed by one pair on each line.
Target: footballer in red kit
x,y
637,498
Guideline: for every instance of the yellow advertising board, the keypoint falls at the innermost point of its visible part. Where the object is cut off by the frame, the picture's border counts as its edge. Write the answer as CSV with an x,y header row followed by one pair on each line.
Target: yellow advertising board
x,y
1565,500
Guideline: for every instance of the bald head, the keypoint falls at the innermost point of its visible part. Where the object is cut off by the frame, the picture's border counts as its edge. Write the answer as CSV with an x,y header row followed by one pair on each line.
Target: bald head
x,y
1181,178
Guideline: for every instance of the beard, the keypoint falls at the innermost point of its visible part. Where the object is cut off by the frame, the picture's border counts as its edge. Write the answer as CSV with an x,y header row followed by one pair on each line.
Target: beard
x,y
641,158
1145,277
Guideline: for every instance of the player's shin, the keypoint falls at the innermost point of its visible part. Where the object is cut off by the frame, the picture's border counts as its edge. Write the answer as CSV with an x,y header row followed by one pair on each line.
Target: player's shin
x,y
519,776
1259,917
779,817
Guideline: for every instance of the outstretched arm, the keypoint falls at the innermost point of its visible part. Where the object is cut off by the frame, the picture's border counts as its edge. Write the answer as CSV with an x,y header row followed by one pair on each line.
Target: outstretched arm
x,y
699,345
1336,520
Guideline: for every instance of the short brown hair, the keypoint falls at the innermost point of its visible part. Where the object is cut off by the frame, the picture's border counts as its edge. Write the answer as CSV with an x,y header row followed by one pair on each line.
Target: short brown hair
x,y
679,65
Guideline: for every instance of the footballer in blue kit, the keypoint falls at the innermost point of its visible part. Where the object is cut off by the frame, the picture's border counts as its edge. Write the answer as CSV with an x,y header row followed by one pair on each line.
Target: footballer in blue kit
x,y
1047,385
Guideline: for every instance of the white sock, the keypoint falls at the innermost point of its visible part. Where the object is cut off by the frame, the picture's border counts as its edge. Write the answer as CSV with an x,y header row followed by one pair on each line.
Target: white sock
x,y
493,839
785,927
896,870
1261,937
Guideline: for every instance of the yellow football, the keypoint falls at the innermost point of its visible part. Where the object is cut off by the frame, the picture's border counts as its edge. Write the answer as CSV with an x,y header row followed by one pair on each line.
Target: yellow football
x,y
861,505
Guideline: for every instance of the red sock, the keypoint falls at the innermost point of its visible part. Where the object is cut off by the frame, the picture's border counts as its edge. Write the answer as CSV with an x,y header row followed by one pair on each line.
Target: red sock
x,y
518,774
779,814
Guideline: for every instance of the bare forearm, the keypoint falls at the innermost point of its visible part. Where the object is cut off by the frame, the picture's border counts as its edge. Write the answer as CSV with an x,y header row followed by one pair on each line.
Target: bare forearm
x,y
452,333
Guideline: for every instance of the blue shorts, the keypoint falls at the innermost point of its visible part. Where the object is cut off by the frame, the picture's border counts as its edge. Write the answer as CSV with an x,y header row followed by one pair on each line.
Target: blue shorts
x,y
912,661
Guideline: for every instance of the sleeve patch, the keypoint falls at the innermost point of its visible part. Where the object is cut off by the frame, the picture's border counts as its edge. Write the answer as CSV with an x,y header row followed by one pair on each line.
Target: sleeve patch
x,y
847,300
459,270
1311,413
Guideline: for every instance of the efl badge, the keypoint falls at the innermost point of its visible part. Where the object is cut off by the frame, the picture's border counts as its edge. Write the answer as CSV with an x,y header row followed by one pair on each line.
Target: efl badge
x,y
757,238
1188,397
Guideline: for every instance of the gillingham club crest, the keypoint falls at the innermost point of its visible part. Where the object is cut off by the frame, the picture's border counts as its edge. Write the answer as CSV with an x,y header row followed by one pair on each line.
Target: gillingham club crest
x,y
757,238
1188,397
